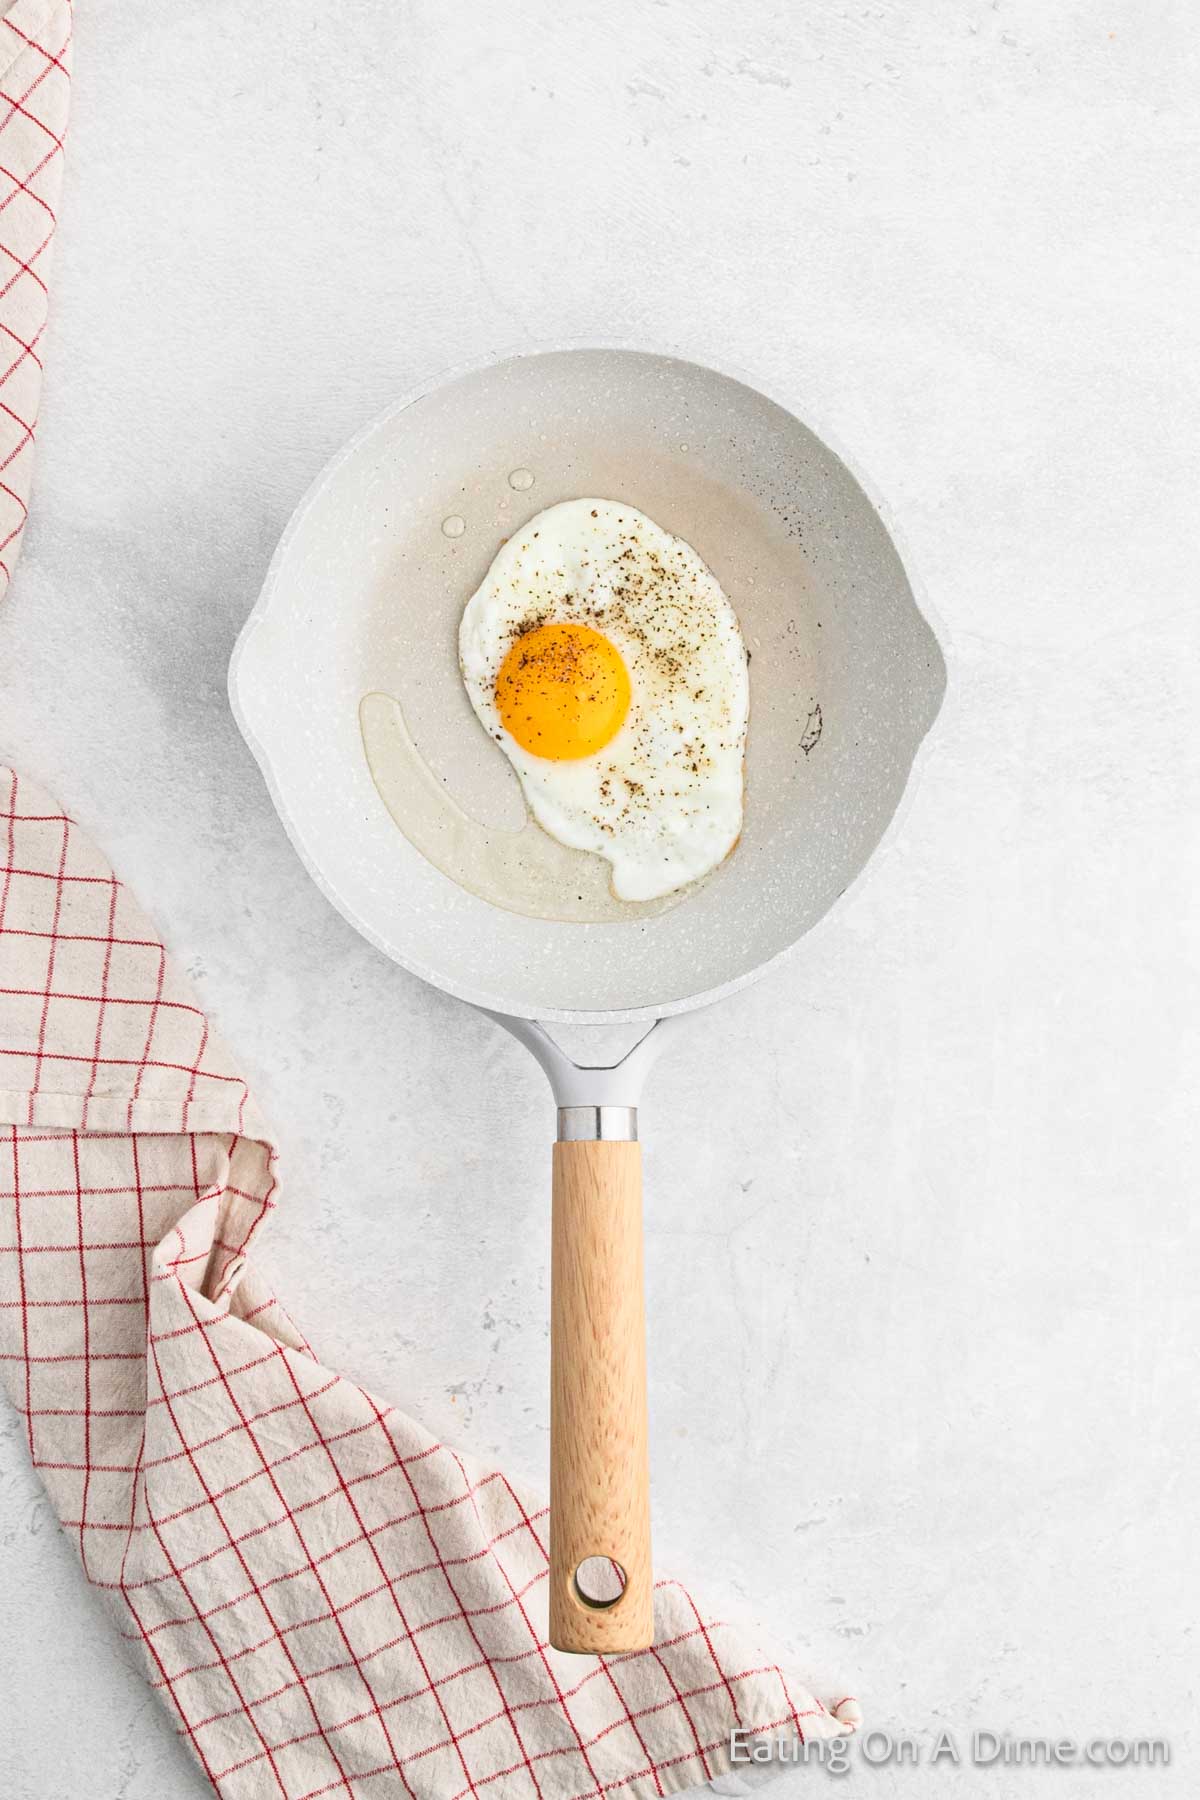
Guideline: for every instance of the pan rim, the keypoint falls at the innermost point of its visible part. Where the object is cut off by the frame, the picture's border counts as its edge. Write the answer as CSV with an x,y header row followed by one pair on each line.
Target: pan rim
x,y
473,995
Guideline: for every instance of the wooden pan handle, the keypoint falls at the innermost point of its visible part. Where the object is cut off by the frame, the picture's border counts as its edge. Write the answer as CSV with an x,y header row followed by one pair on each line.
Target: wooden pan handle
x,y
599,1462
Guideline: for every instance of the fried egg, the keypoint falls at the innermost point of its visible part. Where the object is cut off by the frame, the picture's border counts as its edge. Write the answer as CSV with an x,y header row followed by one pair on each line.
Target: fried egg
x,y
604,658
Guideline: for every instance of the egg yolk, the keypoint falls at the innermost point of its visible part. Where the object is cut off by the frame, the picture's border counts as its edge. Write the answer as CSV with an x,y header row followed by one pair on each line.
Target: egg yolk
x,y
562,691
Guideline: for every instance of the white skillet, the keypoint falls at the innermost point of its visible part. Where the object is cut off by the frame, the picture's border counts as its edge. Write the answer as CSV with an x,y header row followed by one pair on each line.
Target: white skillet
x,y
365,593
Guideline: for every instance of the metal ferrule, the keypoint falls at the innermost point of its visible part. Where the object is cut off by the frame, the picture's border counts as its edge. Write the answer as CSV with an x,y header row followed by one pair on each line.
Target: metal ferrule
x,y
612,1124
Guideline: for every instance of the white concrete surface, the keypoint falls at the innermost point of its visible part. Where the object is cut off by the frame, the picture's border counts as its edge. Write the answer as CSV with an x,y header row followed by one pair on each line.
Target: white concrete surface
x,y
922,1253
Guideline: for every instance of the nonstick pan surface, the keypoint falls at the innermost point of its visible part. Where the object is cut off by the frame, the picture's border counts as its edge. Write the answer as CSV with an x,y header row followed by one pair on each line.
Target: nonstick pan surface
x,y
366,591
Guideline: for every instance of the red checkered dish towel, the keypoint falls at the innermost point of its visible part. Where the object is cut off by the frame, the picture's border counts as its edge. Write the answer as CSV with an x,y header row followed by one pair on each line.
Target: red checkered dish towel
x,y
330,1601
35,89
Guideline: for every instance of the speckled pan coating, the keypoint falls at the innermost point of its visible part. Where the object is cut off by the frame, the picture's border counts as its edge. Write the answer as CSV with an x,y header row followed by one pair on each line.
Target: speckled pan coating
x,y
366,592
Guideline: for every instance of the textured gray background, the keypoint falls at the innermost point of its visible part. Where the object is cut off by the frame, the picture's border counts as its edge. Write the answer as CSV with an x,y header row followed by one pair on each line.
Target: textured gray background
x,y
922,1253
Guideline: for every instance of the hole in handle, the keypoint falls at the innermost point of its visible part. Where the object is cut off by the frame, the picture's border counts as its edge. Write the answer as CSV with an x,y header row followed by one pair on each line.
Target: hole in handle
x,y
599,1582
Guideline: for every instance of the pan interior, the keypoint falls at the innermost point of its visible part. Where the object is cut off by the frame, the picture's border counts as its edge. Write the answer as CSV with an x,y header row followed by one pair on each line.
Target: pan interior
x,y
366,593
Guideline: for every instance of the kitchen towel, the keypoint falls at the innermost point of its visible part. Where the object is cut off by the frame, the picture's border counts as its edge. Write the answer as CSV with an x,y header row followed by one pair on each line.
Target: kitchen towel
x,y
330,1601
35,88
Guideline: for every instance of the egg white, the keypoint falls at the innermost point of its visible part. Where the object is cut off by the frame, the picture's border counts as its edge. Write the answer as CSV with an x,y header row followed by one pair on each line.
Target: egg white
x,y
662,802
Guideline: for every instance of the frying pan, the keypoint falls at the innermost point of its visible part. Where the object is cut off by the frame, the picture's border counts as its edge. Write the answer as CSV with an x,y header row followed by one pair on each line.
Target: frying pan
x,y
363,598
